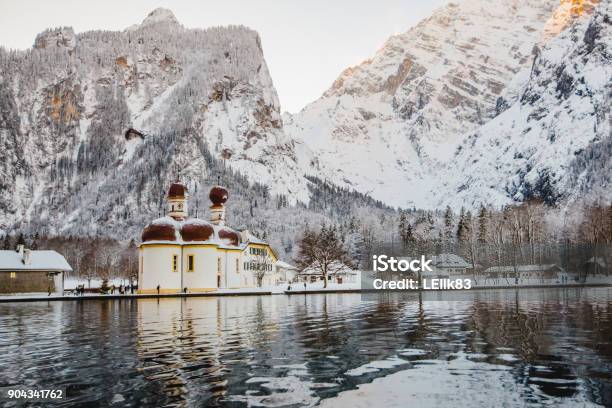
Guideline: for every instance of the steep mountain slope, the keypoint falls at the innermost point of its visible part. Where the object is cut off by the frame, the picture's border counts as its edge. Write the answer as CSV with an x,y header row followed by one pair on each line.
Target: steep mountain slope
x,y
554,142
76,111
391,126
485,101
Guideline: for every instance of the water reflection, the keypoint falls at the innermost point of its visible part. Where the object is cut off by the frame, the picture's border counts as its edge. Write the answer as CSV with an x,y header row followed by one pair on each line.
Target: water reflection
x,y
540,346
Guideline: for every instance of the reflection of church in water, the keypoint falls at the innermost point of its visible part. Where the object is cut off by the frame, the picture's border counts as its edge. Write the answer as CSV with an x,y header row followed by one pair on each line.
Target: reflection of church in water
x,y
179,252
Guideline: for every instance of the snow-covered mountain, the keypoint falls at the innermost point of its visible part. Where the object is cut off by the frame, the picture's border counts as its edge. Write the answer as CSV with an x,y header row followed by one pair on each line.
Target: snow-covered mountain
x,y
82,112
554,140
392,125
486,101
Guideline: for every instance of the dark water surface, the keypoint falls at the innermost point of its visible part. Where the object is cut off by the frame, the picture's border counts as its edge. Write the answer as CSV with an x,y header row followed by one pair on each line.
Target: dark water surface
x,y
492,348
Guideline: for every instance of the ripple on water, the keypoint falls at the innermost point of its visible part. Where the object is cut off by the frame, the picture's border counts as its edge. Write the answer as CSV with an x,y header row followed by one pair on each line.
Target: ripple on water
x,y
529,347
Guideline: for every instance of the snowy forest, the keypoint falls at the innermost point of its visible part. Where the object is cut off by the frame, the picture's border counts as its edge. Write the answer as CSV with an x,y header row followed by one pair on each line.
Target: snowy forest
x,y
94,127
531,233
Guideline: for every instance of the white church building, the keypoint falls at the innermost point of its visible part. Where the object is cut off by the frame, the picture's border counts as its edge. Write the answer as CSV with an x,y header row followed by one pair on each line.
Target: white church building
x,y
183,254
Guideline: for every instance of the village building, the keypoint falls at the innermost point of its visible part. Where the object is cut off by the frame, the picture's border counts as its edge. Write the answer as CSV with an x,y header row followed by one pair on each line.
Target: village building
x,y
28,271
179,253
596,266
526,272
443,266
449,265
338,272
286,273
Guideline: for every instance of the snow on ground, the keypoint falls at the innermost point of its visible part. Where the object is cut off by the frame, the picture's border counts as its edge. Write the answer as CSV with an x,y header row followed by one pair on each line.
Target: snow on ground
x,y
71,283
318,286
509,282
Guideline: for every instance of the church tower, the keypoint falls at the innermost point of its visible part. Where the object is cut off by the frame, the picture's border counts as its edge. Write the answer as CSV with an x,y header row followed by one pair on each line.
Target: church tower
x,y
177,201
218,196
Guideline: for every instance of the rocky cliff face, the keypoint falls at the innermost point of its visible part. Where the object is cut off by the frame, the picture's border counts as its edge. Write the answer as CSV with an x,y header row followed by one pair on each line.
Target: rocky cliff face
x,y
483,102
554,140
84,112
391,126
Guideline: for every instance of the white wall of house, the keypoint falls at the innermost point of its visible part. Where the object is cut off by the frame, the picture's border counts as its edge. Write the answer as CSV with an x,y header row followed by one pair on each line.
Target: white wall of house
x,y
231,267
285,274
58,282
270,275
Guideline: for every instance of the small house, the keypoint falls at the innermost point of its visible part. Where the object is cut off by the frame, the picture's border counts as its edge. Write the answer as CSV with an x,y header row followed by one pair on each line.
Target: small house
x,y
546,271
338,272
27,271
443,266
448,265
286,273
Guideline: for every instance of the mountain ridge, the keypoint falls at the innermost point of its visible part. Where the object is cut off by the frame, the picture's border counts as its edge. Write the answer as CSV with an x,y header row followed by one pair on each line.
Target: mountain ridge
x,y
95,125
391,126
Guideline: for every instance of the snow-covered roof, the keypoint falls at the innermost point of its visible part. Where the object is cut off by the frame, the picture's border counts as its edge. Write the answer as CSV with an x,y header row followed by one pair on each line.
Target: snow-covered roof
x,y
445,261
177,225
254,240
284,265
523,268
336,267
37,261
597,260
449,261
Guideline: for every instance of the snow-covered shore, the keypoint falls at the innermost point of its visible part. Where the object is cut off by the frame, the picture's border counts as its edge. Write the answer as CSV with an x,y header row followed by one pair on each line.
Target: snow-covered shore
x,y
294,288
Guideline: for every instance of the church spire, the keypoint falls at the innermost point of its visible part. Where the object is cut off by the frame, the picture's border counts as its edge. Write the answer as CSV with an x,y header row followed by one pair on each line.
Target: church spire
x,y
177,200
218,196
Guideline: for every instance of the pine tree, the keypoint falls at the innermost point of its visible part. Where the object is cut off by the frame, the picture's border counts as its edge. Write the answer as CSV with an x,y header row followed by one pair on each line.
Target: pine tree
x,y
7,245
467,223
34,241
20,239
448,228
461,227
104,288
402,228
482,225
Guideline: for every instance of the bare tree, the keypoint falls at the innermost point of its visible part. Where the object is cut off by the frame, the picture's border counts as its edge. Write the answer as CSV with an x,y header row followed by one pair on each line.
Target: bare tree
x,y
323,252
262,266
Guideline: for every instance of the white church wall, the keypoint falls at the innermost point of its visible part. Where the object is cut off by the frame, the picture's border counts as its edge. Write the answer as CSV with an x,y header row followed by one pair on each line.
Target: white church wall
x,y
204,275
157,269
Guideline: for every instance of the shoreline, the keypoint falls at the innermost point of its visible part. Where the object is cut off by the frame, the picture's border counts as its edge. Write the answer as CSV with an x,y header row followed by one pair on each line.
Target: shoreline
x,y
43,298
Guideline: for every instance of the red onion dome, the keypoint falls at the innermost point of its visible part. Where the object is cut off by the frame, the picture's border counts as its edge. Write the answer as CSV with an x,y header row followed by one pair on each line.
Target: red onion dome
x,y
230,236
218,195
159,232
196,230
177,190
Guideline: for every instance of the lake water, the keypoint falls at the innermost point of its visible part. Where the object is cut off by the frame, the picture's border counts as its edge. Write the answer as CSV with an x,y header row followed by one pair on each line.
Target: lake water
x,y
488,348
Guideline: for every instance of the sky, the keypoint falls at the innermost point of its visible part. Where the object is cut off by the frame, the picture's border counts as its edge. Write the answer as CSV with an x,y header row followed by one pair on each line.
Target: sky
x,y
306,43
